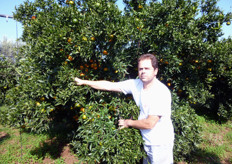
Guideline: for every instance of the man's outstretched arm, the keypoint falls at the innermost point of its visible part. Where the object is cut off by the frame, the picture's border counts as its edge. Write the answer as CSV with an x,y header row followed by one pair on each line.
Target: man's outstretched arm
x,y
100,85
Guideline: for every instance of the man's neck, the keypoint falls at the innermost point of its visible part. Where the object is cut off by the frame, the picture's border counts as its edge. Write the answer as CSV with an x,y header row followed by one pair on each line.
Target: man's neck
x,y
148,85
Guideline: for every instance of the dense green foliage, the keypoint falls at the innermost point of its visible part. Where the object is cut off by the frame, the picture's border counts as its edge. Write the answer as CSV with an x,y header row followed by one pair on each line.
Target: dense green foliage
x,y
95,40
7,77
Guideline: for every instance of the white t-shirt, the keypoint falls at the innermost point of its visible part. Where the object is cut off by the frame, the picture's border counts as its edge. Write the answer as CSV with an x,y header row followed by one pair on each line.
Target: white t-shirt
x,y
156,101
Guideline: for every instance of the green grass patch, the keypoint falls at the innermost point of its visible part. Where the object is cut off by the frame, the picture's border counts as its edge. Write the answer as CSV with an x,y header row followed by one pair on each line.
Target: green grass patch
x,y
228,136
28,147
216,146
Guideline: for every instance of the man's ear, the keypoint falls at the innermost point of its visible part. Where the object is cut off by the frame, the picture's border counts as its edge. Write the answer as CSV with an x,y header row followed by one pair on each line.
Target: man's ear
x,y
156,71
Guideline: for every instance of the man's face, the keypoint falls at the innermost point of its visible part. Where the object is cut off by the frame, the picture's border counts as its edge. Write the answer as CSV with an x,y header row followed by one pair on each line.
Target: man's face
x,y
146,72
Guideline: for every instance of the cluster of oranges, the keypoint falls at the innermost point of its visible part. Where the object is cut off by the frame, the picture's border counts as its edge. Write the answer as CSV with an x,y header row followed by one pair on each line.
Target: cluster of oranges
x,y
90,65
84,38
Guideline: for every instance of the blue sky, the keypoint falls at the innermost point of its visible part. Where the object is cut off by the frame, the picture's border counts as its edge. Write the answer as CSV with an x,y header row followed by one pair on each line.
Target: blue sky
x,y
8,27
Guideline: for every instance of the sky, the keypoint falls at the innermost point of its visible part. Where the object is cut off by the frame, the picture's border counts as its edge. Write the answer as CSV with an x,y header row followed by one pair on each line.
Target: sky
x,y
12,30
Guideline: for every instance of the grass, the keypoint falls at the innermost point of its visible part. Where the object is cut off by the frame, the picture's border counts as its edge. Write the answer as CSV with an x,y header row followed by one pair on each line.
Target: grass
x,y
35,148
216,147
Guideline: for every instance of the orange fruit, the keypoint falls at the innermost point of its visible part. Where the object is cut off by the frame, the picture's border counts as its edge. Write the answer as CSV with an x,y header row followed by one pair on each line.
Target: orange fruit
x,y
140,6
81,67
111,36
93,38
70,58
69,40
71,2
84,117
42,98
82,109
84,38
37,104
105,52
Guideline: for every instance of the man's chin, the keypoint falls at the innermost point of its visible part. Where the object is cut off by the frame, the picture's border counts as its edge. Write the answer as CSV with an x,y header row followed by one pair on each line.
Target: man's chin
x,y
143,80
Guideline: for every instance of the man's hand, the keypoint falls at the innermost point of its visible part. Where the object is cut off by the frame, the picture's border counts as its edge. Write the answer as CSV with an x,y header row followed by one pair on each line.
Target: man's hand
x,y
78,81
123,124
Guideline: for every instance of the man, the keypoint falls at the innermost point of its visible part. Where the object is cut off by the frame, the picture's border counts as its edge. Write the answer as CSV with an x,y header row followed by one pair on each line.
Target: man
x,y
154,100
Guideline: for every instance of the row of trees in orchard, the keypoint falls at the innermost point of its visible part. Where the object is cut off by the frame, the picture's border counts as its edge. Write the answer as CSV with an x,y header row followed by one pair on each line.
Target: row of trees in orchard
x,y
8,61
95,40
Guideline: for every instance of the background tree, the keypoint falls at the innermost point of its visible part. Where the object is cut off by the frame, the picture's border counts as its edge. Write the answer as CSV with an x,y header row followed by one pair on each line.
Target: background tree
x,y
8,62
95,40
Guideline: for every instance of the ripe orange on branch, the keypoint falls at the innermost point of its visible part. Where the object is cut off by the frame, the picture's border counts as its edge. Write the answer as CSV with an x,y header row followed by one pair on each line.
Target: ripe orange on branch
x,y
105,52
33,17
111,36
69,40
70,58
93,38
82,74
196,61
140,6
82,109
81,67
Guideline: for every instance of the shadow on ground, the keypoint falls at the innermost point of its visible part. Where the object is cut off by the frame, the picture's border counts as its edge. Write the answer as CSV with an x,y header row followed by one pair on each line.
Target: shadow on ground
x,y
3,136
204,157
53,147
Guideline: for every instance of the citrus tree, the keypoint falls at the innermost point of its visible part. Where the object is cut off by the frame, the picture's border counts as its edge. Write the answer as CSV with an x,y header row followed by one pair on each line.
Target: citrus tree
x,y
66,39
95,40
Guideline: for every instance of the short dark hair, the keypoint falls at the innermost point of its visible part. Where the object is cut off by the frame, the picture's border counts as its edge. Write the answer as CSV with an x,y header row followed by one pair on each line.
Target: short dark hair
x,y
152,57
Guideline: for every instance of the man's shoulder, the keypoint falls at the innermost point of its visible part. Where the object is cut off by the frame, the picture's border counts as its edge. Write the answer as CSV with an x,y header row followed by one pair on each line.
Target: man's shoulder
x,y
161,86
130,85
132,81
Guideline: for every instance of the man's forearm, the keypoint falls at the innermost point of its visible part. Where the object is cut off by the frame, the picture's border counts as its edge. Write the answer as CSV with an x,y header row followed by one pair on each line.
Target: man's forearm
x,y
140,124
147,123
100,85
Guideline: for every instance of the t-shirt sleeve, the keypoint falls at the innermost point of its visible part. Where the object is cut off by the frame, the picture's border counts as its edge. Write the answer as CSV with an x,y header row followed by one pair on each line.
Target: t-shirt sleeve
x,y
126,86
